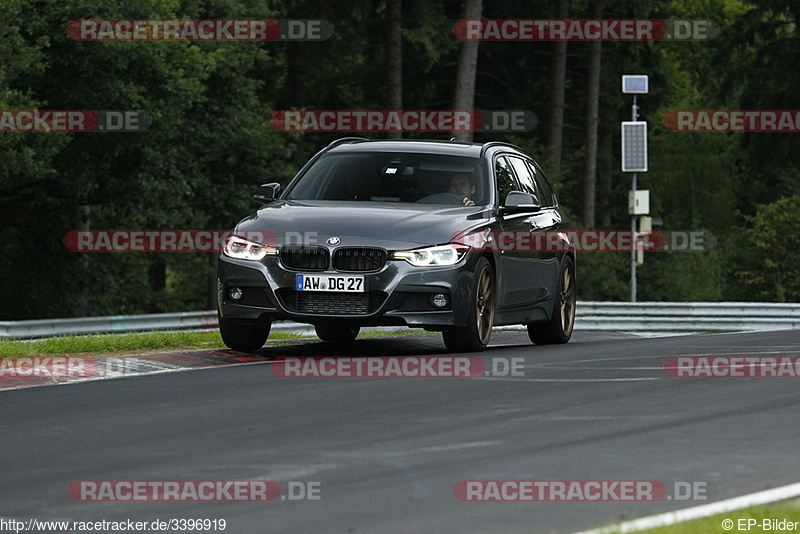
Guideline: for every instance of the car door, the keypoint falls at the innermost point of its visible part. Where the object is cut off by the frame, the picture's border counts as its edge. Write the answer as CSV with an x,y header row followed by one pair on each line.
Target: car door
x,y
520,278
548,221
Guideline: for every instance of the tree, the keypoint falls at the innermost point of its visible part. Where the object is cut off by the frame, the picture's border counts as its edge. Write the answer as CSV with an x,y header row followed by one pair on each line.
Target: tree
x,y
751,59
394,58
767,263
592,121
181,173
464,98
558,84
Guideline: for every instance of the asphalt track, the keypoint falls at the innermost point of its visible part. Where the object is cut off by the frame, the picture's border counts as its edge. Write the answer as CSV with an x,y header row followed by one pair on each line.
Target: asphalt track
x,y
388,451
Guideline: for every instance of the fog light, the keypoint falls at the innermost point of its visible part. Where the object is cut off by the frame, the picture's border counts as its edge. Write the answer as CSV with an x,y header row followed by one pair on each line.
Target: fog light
x,y
439,300
236,293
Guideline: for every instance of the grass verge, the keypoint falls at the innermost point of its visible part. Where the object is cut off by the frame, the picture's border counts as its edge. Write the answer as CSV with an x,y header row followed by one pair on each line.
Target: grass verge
x,y
114,343
788,511
120,342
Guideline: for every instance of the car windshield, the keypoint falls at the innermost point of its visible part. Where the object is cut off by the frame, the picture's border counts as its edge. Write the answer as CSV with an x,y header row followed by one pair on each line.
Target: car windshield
x,y
394,177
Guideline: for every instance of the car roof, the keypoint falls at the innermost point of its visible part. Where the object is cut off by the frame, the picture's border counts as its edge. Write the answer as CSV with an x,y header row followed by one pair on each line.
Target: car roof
x,y
449,148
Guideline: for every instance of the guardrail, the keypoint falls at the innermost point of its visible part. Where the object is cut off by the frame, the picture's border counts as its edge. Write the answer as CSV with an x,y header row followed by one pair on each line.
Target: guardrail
x,y
687,316
108,324
620,316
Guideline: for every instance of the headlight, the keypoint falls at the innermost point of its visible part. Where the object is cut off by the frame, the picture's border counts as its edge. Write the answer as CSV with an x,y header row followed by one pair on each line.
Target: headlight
x,y
440,255
242,249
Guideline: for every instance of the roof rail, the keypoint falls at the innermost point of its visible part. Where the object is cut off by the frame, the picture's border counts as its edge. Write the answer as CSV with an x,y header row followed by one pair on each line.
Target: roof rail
x,y
343,140
490,144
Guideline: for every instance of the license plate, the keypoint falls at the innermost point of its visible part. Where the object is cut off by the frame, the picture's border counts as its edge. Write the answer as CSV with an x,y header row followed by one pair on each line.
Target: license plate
x,y
339,284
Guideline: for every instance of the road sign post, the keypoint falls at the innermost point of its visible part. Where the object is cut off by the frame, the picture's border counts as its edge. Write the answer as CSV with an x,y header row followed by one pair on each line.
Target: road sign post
x,y
634,156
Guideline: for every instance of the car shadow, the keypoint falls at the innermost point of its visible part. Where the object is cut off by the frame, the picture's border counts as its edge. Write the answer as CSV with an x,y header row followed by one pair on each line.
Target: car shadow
x,y
404,345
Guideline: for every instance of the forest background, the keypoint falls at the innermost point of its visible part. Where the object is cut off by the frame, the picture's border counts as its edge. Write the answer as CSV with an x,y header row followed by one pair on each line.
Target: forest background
x,y
211,142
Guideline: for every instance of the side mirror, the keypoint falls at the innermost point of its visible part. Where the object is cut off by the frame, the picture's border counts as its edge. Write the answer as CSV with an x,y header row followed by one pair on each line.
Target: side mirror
x,y
267,192
517,201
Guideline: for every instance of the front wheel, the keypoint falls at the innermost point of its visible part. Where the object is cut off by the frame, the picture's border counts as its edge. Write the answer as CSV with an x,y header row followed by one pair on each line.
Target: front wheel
x,y
337,333
476,334
559,328
245,336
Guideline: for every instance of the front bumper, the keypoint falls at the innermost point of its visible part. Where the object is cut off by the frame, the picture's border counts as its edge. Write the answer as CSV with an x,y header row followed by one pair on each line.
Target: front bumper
x,y
397,294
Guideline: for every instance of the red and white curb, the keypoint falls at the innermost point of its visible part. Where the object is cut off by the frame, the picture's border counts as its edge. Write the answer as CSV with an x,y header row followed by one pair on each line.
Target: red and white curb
x,y
55,370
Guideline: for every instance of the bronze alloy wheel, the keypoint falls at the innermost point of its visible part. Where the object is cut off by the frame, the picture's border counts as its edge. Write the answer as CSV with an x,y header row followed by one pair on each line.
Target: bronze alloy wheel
x,y
558,329
484,305
567,301
475,335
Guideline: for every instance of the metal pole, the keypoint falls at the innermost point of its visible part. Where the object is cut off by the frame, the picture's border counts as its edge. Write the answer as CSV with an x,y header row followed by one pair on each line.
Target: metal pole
x,y
633,249
634,116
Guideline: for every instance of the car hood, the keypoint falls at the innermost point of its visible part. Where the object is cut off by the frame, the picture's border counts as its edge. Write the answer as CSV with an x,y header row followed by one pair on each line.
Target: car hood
x,y
393,226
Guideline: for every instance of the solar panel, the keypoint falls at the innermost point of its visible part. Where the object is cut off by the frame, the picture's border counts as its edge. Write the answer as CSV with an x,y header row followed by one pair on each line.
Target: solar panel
x,y
635,83
634,146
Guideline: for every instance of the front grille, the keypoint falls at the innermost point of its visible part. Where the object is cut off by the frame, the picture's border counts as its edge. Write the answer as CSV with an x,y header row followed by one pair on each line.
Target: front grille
x,y
359,259
332,303
304,258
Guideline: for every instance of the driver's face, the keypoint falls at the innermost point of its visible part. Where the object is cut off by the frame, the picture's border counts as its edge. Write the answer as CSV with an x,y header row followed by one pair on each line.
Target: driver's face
x,y
461,186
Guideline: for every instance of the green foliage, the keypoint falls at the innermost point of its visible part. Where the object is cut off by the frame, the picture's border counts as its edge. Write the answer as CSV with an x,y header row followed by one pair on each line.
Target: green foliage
x,y
787,510
753,63
603,276
683,276
211,143
766,264
114,343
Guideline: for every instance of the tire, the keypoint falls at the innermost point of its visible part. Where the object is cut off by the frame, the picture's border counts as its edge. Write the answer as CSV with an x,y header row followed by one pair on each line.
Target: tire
x,y
337,333
559,328
475,335
245,336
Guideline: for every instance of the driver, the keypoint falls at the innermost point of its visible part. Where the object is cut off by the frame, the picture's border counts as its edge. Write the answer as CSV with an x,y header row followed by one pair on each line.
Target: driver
x,y
461,185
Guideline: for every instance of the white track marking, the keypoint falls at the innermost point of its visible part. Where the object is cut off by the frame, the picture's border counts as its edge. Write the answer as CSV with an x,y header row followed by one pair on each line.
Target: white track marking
x,y
698,512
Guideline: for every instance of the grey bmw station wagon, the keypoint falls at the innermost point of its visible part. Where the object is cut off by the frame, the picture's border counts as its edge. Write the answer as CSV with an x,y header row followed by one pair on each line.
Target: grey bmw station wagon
x,y
425,234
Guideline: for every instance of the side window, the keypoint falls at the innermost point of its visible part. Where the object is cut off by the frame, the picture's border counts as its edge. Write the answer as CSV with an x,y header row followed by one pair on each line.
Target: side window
x,y
524,176
504,178
543,185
